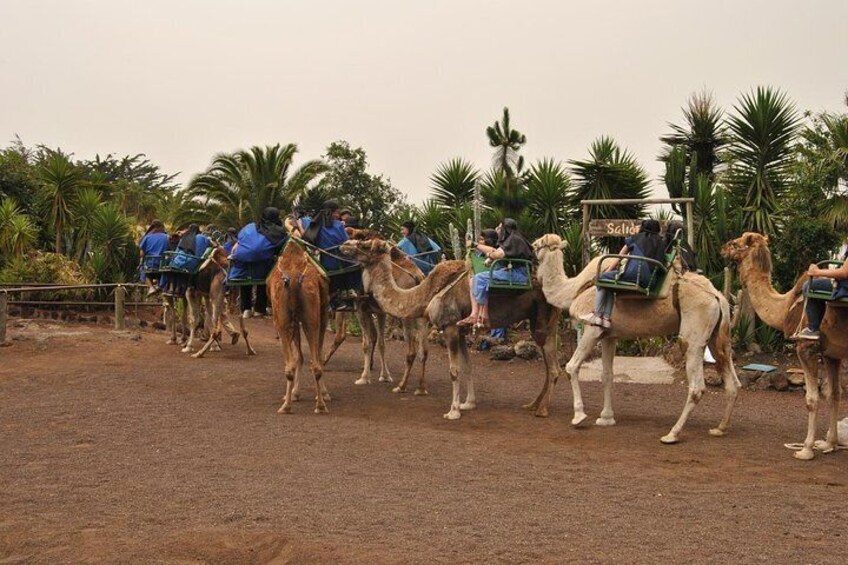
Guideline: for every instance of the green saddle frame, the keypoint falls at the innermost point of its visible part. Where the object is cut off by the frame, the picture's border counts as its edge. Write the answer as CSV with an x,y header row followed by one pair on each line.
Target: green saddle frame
x,y
478,264
827,296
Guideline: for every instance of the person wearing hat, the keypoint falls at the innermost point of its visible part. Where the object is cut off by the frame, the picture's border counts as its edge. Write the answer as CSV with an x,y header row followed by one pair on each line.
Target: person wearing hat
x,y
152,248
423,250
327,231
647,243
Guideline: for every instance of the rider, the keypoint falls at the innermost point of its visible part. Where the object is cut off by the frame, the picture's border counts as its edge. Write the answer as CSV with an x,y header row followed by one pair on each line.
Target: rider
x,y
230,240
647,243
253,256
152,248
511,245
326,231
815,308
421,248
190,248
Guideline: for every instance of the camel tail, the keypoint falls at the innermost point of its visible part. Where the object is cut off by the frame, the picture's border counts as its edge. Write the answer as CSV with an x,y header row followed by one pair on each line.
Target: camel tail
x,y
721,337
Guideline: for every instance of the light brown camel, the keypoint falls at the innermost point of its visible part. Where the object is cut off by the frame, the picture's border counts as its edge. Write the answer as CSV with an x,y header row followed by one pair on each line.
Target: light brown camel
x,y
372,320
210,290
444,298
299,293
175,313
692,308
785,312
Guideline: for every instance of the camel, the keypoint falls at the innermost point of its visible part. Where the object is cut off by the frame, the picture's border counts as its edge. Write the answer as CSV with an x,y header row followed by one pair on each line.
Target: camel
x,y
443,298
173,316
692,308
211,290
785,312
299,293
372,320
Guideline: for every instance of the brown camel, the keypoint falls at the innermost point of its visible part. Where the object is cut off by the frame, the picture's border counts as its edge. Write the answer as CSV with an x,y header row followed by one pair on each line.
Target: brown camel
x,y
299,293
372,320
444,298
689,306
210,289
785,312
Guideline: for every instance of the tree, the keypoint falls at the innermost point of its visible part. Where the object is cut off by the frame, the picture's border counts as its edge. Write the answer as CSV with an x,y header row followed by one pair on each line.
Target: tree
x,y
371,197
547,197
702,138
453,183
507,142
18,233
18,178
238,186
609,173
61,180
763,131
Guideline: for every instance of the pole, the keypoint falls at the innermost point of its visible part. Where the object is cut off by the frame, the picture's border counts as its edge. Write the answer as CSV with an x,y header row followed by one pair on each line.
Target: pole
x,y
3,316
728,283
690,225
585,234
478,207
119,308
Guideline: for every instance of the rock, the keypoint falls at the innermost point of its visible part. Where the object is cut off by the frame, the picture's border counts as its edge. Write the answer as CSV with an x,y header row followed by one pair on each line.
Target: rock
x,y
712,377
158,326
762,382
779,381
143,323
796,379
502,353
526,350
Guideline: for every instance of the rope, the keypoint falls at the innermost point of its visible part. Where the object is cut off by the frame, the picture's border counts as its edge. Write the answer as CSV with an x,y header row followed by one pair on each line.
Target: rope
x,y
326,252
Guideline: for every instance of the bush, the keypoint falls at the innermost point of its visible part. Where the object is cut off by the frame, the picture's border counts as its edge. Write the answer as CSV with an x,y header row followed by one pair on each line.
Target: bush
x,y
43,267
804,240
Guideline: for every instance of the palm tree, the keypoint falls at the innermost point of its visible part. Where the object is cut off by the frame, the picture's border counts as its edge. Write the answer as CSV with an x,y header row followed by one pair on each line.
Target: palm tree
x,y
453,183
702,138
18,233
86,207
507,142
609,173
547,197
763,129
113,241
238,186
60,179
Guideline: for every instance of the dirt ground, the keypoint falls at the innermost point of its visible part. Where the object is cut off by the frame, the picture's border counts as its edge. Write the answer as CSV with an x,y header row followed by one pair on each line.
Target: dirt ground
x,y
117,448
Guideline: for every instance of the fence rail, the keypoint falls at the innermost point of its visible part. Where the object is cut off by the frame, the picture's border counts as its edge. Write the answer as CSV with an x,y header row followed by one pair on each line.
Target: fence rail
x,y
119,289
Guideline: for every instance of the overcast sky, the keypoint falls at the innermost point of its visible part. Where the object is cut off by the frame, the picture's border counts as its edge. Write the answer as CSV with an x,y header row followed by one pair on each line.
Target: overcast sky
x,y
414,83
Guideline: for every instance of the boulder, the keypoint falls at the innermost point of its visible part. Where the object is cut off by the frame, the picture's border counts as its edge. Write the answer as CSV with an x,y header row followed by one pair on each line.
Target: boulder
x,y
796,379
526,350
779,381
502,353
712,378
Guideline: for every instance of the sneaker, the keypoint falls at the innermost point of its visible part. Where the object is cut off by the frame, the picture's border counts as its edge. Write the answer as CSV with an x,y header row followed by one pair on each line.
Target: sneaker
x,y
247,314
807,333
592,320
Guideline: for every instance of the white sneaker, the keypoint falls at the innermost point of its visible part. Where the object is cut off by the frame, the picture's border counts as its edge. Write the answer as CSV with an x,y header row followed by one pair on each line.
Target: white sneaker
x,y
807,333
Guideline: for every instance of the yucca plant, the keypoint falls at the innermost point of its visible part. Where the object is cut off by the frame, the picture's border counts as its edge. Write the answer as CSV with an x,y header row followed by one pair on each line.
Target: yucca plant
x,y
112,236
18,233
763,132
547,197
452,185
86,208
701,139
60,179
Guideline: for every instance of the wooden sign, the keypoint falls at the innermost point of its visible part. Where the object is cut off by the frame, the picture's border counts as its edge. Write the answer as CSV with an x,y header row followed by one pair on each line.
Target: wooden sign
x,y
616,228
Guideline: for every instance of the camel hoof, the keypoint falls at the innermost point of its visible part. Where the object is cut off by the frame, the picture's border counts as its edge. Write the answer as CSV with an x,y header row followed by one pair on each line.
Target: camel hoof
x,y
531,406
468,406
185,350
578,420
295,397
452,415
196,355
362,381
824,446
399,390
541,413
386,379
605,422
171,342
234,339
669,439
806,454
284,409
421,392
717,432
326,397
251,351
321,410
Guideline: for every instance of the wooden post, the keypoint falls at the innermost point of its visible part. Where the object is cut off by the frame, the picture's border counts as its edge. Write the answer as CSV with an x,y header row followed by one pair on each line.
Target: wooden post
x,y
690,225
728,283
120,291
585,234
3,316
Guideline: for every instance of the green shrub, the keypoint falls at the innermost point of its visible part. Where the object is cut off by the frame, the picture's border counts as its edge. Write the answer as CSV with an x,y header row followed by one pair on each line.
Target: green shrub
x,y
43,267
804,240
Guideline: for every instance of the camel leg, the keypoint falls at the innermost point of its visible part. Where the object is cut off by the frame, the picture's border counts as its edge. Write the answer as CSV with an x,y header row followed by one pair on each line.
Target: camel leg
x,y
591,336
290,370
169,313
423,351
731,381
409,338
453,337
244,334
193,305
214,316
607,417
297,353
341,335
547,342
695,376
808,357
831,441
369,336
385,375
465,367
184,319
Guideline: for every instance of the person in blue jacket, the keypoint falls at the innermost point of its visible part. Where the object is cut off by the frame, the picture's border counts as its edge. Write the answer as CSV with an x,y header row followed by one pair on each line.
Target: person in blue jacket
x,y
253,255
834,281
647,243
230,239
423,250
152,247
511,245
190,249
327,231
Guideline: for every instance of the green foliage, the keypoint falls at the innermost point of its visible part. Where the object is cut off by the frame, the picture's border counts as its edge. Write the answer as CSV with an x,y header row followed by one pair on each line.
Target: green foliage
x,y
769,339
547,197
371,197
696,146
45,267
18,233
804,240
453,183
507,178
61,179
18,178
740,333
763,131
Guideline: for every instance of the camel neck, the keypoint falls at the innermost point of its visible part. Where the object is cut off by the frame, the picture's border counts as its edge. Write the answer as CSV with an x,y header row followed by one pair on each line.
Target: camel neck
x,y
393,300
559,290
771,306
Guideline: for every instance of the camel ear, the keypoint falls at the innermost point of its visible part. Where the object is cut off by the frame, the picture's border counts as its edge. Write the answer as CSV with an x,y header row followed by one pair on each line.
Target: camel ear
x,y
765,239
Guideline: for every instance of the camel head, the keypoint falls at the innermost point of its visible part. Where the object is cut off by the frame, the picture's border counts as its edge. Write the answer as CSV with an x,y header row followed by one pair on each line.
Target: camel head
x,y
361,234
545,244
366,251
751,244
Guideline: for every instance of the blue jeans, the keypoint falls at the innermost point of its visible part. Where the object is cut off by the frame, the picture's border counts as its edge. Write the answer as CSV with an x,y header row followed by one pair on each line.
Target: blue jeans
x,y
815,308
